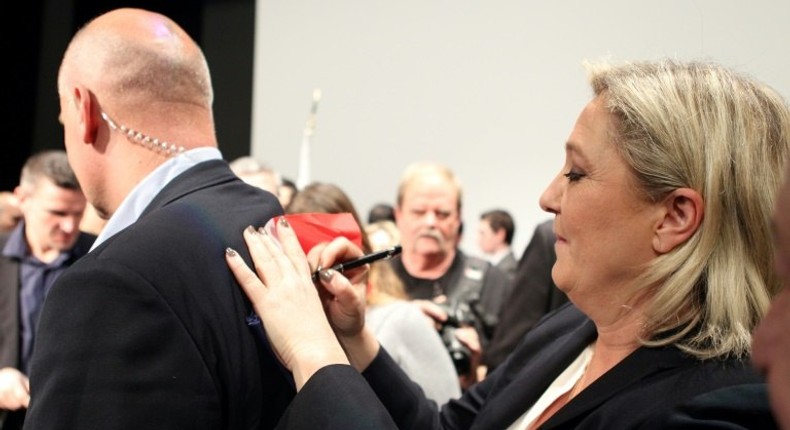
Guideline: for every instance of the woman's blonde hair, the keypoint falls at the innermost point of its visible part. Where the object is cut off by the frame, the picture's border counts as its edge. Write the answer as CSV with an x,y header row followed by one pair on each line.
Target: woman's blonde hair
x,y
701,126
386,285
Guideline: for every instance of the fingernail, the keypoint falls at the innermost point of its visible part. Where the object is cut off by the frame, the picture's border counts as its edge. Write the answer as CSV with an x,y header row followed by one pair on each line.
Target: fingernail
x,y
327,275
262,231
231,252
284,222
250,229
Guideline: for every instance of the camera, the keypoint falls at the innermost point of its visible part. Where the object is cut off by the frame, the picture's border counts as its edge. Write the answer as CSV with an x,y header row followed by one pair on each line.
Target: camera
x,y
458,315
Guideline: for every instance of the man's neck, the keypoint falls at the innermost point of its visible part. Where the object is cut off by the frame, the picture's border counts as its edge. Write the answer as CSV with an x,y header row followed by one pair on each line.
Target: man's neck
x,y
43,254
497,255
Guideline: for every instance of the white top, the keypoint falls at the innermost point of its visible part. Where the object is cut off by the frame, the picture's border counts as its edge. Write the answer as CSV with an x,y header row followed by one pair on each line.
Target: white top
x,y
409,337
563,384
143,193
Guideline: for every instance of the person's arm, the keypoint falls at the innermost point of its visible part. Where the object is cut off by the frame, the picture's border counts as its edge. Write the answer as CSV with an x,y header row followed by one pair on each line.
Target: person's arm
x,y
284,296
300,333
420,352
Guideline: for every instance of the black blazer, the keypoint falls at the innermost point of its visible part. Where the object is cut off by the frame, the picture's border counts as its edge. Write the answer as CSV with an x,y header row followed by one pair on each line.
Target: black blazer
x,y
150,329
639,392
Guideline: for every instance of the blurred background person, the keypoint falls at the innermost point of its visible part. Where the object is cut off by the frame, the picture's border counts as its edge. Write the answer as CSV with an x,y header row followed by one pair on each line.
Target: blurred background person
x,y
287,191
257,174
495,233
398,324
381,212
34,254
10,214
771,345
462,292
532,297
382,235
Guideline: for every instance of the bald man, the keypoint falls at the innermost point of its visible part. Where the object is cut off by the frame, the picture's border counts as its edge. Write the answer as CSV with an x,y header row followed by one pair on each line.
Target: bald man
x,y
149,330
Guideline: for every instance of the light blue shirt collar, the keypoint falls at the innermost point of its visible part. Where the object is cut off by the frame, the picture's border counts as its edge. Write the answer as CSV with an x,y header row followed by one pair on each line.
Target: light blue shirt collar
x,y
143,193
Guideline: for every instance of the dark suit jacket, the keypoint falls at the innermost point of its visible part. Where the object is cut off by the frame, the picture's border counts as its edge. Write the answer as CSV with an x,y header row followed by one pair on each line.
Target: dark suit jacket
x,y
532,296
150,329
9,315
508,265
736,407
639,392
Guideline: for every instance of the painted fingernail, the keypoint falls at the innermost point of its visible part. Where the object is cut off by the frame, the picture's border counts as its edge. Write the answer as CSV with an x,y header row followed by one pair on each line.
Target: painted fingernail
x,y
327,275
231,252
250,229
284,222
262,231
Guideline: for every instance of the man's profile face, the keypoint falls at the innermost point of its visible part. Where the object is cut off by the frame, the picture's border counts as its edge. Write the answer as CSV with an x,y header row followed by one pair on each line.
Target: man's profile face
x,y
771,342
487,239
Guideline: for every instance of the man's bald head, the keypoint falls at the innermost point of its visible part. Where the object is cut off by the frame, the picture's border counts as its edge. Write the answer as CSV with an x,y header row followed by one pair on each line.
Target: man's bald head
x,y
135,57
134,90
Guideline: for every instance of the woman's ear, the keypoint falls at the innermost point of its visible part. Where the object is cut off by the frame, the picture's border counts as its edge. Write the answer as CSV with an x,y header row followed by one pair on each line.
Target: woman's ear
x,y
683,210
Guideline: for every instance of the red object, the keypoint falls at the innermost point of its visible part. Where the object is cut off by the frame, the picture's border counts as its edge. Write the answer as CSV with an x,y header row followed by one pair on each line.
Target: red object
x,y
315,228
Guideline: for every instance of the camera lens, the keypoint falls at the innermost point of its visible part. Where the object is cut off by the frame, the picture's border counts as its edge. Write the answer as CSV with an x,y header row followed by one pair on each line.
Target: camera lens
x,y
459,353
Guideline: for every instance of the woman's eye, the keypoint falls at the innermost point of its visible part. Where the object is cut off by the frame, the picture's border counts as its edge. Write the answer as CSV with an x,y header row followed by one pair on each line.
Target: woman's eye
x,y
573,176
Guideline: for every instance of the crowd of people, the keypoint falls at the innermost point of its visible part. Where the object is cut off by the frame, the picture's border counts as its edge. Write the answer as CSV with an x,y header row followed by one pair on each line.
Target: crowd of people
x,y
150,283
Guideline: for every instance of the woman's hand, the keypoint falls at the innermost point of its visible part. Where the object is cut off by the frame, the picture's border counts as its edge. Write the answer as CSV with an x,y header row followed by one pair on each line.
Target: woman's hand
x,y
468,336
343,295
344,300
436,314
287,301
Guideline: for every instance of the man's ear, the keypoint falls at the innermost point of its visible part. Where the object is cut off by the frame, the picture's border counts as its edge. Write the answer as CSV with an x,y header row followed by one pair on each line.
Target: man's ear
x,y
683,210
88,114
20,193
500,235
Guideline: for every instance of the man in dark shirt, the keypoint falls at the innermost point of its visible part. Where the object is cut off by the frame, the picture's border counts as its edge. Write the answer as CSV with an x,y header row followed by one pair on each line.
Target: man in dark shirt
x,y
44,244
432,267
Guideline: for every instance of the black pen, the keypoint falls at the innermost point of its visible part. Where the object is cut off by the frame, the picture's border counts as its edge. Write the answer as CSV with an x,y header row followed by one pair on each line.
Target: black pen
x,y
361,261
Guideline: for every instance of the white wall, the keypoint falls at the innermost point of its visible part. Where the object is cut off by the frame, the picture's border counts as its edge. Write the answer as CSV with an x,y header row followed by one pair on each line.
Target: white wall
x,y
490,88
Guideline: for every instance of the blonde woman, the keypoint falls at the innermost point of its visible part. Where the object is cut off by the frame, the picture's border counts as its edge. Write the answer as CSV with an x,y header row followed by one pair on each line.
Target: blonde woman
x,y
664,248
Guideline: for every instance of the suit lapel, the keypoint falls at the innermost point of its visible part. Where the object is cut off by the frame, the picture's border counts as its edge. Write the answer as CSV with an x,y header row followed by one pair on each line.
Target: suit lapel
x,y
548,349
533,366
632,370
202,175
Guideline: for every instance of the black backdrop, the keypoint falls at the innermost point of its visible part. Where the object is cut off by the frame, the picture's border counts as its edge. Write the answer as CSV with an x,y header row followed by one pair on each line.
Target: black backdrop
x,y
33,40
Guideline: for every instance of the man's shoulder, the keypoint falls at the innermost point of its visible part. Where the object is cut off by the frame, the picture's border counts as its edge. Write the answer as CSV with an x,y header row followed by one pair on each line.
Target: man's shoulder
x,y
509,263
477,268
474,262
83,245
